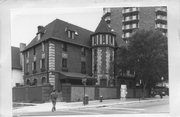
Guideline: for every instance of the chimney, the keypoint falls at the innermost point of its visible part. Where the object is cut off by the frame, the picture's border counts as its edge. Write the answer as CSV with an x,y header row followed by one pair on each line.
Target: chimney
x,y
41,29
40,32
22,46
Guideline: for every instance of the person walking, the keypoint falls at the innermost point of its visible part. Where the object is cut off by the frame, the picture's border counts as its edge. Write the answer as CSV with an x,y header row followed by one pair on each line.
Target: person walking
x,y
53,99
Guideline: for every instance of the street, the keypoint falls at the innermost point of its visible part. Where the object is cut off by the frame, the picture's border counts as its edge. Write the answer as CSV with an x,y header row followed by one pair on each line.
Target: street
x,y
160,107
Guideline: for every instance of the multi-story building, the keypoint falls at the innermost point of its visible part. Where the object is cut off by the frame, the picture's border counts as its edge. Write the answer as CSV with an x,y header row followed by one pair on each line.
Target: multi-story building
x,y
126,20
59,53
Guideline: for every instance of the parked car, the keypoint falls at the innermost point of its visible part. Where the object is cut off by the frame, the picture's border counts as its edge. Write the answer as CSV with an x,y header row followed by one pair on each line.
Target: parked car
x,y
162,91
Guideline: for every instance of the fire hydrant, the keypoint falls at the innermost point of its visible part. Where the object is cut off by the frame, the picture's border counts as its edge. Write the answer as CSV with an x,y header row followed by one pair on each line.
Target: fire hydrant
x,y
101,98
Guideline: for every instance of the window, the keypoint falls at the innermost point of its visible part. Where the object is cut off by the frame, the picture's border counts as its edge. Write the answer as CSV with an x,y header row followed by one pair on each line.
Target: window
x,y
42,64
95,52
71,34
83,67
64,63
97,38
112,40
43,80
83,51
35,82
27,54
107,37
34,66
103,39
95,41
95,68
34,51
43,47
64,47
92,40
27,67
28,82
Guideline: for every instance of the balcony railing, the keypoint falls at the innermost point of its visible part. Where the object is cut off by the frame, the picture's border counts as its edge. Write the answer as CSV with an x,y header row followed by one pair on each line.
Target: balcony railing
x,y
161,26
129,10
129,27
131,18
159,17
127,35
161,9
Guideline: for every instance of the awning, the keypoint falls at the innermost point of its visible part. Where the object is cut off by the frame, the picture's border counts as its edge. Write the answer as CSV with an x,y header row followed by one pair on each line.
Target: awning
x,y
73,75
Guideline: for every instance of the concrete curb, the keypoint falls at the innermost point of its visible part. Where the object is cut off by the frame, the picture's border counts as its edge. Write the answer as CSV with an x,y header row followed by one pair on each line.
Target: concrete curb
x,y
119,103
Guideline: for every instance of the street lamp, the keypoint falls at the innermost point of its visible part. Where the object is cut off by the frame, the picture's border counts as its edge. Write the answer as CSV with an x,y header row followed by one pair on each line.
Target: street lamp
x,y
84,83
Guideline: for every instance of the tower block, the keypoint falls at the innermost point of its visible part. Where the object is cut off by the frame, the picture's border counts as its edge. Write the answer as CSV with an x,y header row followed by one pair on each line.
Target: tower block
x,y
103,44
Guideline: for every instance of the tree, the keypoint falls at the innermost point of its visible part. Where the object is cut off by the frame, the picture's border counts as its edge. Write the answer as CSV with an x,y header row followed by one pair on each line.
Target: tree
x,y
148,56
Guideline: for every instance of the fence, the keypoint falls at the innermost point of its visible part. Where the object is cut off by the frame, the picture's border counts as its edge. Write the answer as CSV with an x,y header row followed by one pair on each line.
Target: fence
x,y
31,93
71,93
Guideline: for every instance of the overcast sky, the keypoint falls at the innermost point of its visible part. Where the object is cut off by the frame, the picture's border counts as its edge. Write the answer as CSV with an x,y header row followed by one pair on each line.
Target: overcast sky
x,y
24,22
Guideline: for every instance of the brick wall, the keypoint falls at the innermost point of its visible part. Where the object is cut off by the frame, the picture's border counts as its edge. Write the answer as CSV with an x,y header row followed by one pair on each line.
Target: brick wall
x,y
77,93
32,94
39,74
108,92
73,59
147,18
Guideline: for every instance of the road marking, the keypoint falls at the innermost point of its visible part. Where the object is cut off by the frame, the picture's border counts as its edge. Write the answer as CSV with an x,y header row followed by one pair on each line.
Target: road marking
x,y
135,109
79,111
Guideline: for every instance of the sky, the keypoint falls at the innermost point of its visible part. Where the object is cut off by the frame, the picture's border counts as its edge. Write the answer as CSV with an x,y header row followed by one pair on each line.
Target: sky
x,y
24,22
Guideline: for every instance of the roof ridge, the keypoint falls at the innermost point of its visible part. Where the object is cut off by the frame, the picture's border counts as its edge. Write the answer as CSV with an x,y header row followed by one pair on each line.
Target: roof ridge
x,y
73,25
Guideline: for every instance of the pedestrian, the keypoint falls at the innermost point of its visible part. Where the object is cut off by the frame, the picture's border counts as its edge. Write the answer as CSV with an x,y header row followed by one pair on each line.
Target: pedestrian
x,y
53,99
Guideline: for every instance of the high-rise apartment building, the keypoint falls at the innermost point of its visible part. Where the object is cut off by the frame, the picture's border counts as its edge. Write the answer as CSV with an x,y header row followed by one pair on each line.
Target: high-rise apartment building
x,y
126,20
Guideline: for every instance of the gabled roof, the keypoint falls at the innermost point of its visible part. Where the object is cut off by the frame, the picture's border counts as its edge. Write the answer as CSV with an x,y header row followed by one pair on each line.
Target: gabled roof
x,y
103,27
15,58
57,30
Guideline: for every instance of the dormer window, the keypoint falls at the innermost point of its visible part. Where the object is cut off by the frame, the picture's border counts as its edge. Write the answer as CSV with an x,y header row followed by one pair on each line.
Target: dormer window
x,y
71,34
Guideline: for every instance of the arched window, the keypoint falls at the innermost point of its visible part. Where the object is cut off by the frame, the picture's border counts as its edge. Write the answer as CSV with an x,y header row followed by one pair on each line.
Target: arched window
x,y
28,82
35,82
43,80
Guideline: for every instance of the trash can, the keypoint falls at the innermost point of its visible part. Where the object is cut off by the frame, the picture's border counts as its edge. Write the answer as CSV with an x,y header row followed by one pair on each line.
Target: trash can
x,y
101,98
86,100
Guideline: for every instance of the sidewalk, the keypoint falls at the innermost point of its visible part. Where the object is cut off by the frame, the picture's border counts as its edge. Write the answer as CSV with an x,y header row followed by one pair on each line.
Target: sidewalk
x,y
77,105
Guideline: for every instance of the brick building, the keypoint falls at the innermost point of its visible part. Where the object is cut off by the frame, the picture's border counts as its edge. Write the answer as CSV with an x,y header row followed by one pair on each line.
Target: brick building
x,y
64,53
60,53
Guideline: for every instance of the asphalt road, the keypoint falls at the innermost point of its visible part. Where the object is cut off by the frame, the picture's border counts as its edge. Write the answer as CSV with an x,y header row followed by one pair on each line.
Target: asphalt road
x,y
137,108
